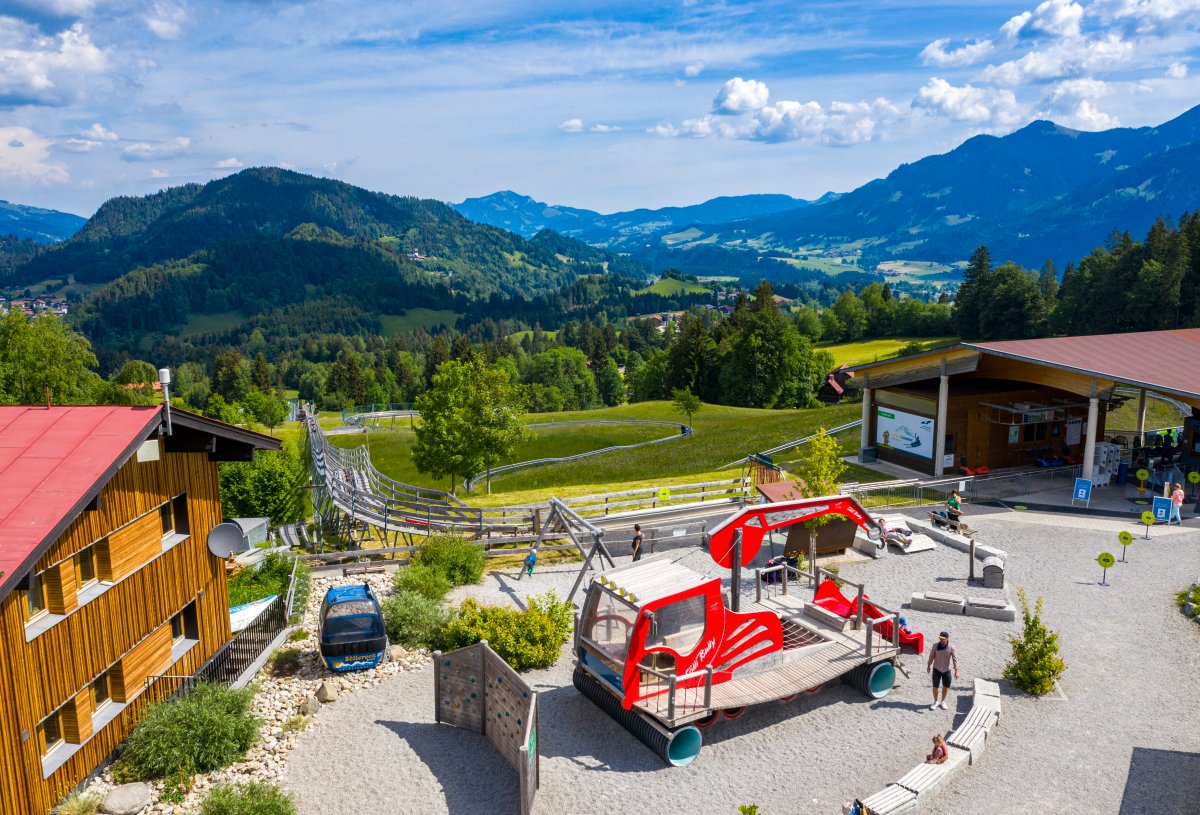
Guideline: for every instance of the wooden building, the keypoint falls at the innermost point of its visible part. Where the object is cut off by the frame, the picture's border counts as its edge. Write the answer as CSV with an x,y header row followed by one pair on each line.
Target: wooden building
x,y
106,582
1007,404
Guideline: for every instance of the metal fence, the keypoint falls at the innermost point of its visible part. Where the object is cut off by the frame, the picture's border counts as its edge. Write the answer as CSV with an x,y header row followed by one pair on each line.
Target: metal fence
x,y
977,489
247,645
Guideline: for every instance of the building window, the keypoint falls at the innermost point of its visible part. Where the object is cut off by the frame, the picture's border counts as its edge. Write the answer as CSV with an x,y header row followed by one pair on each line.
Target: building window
x,y
168,523
101,691
85,568
35,595
174,516
184,624
50,733
177,628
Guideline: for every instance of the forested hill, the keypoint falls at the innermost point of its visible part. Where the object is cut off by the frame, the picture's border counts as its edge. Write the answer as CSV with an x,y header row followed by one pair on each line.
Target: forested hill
x,y
269,204
37,224
286,254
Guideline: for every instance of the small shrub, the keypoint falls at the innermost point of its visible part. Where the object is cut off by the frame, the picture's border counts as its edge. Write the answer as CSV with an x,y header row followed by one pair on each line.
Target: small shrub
x,y
1188,596
1035,664
248,798
423,579
413,619
524,639
78,804
285,662
560,611
176,786
271,577
460,560
208,729
296,723
748,809
299,635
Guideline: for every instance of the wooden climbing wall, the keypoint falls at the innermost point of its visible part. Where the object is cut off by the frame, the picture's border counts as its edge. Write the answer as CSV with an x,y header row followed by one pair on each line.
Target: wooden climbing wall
x,y
475,689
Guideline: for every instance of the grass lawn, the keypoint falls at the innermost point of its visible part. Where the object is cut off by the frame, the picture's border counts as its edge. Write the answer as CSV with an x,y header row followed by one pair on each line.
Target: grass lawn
x,y
520,335
1158,415
416,318
858,353
670,287
197,324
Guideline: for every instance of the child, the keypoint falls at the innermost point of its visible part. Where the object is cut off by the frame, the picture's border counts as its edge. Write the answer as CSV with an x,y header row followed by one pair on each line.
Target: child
x,y
530,561
940,753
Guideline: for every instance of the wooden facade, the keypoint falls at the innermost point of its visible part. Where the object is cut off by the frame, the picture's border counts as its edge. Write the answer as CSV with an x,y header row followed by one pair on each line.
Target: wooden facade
x,y
131,593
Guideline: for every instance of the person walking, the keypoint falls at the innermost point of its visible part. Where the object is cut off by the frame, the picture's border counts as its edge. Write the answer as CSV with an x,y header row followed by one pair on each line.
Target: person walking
x,y
941,658
637,542
1177,497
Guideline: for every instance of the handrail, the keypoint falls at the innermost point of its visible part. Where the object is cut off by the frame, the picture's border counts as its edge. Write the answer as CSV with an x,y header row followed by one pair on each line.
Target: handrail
x,y
796,442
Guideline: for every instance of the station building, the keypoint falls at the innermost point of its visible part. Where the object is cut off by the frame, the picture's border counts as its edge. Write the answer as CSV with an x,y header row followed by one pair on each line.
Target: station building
x,y
109,596
1013,403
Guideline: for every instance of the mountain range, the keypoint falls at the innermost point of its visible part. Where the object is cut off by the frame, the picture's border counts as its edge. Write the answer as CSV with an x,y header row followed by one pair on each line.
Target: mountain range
x,y
37,224
1041,191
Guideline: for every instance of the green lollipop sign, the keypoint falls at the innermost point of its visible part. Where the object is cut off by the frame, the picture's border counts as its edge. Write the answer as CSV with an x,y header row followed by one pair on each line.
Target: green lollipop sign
x,y
1194,477
1124,538
1106,561
664,493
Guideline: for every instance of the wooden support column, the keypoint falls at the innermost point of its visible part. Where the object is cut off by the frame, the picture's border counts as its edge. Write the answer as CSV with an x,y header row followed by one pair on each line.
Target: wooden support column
x,y
1141,417
864,433
939,430
1089,445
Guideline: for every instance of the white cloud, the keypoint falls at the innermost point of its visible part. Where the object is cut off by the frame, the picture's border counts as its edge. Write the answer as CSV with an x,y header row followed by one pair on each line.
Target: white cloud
x,y
601,128
986,108
159,174
840,124
59,8
740,96
693,69
98,132
147,151
1073,103
571,126
968,54
46,70
1177,70
1063,58
1013,27
165,20
79,145
23,156
230,163
1054,18
1148,16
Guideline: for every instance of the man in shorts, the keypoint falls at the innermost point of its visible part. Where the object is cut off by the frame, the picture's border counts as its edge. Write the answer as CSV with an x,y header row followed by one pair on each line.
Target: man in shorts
x,y
637,542
941,658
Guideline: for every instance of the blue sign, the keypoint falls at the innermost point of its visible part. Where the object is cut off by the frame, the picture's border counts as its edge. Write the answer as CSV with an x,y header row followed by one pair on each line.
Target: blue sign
x,y
1162,509
1083,490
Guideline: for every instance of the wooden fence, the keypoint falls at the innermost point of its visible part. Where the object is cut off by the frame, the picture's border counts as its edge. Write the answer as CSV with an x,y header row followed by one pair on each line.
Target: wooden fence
x,y
476,690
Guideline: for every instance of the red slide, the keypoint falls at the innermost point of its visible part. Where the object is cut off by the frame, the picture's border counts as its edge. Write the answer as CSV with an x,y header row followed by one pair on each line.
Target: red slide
x,y
829,597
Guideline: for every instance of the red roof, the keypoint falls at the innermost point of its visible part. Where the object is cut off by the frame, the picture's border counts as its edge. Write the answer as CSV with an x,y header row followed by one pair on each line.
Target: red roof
x,y
50,461
1158,360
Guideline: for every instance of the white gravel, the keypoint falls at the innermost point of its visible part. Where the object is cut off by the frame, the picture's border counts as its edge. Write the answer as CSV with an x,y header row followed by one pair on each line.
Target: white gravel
x,y
1122,738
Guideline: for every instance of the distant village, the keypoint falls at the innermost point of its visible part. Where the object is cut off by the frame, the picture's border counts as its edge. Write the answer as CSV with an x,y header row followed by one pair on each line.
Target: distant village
x,y
32,306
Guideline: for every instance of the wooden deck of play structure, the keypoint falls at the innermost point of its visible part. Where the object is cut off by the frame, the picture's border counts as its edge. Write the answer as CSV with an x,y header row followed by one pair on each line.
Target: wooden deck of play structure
x,y
815,651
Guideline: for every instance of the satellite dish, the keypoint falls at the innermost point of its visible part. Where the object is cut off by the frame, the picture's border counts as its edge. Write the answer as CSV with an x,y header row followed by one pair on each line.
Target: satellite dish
x,y
225,539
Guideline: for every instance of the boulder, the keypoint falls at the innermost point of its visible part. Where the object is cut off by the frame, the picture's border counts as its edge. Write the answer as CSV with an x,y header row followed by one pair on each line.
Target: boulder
x,y
1189,609
310,706
397,653
127,799
327,692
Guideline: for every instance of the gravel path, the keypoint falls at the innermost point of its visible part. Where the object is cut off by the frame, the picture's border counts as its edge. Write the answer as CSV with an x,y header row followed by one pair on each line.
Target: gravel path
x,y
1121,738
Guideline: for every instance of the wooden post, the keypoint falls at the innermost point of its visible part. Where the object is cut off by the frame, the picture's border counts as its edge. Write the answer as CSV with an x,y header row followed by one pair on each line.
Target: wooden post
x,y
758,585
671,699
437,687
812,554
785,575
971,566
859,616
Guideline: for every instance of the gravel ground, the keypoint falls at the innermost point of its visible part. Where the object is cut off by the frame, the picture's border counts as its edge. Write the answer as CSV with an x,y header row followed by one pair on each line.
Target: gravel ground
x,y
1120,738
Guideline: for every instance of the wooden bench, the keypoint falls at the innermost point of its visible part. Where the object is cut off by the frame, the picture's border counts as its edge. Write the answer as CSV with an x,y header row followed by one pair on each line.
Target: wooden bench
x,y
955,526
826,616
987,694
369,569
891,800
972,734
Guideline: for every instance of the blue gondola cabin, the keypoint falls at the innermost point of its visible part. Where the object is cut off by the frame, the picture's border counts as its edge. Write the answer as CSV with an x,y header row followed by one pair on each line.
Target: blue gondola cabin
x,y
352,635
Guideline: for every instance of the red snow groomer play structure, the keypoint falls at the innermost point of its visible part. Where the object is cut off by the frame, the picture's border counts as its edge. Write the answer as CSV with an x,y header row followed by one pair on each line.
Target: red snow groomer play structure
x,y
660,649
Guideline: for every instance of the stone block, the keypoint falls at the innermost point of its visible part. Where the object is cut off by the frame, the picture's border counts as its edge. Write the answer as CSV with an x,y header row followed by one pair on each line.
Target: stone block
x,y
1189,609
990,609
931,601
327,692
126,799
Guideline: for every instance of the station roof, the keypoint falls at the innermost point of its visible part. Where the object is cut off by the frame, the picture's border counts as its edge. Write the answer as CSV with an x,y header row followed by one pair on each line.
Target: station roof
x,y
1160,361
55,460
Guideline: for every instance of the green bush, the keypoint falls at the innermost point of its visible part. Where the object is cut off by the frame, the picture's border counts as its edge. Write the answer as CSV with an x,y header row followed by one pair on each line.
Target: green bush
x,y
208,729
423,579
413,619
271,577
248,798
1188,596
78,804
1035,662
524,639
285,662
458,559
298,635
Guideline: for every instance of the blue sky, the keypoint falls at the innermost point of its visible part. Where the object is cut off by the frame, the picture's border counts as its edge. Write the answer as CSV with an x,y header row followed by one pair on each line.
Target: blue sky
x,y
605,105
